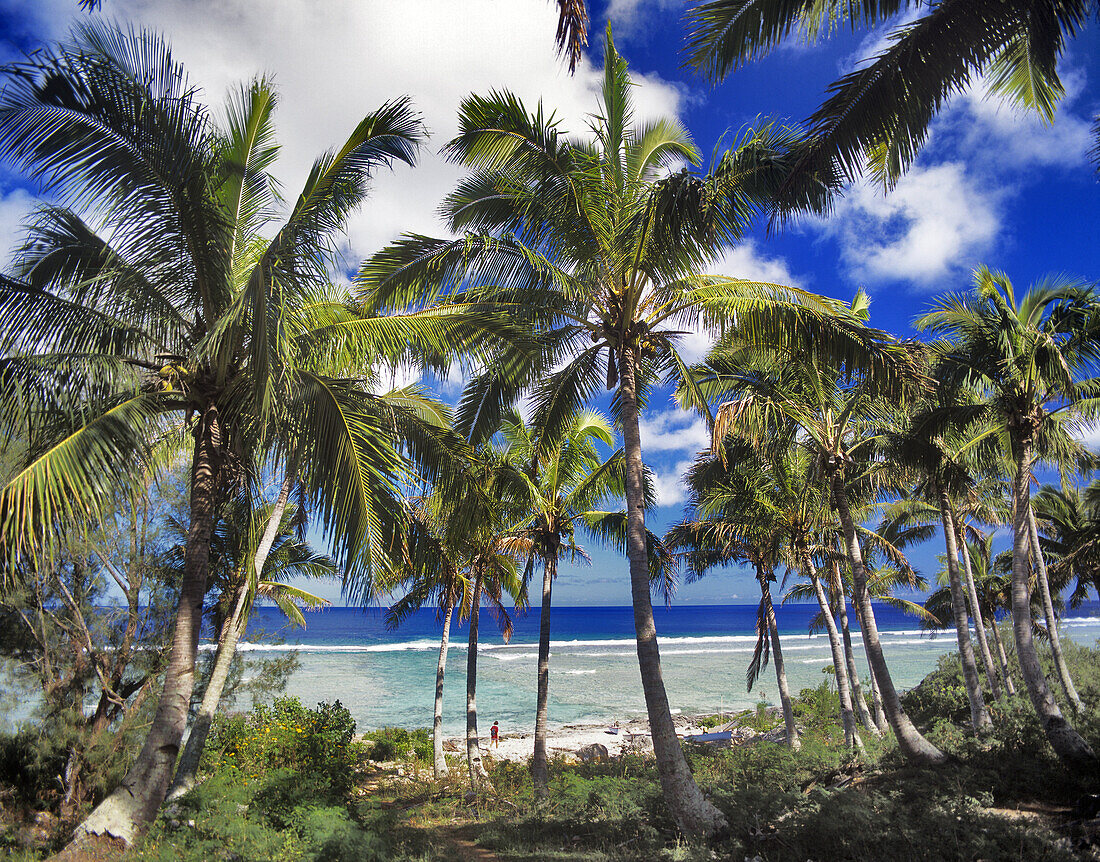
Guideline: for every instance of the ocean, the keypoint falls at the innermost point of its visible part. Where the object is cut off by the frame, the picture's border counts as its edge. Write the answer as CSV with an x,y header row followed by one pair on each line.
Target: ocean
x,y
387,678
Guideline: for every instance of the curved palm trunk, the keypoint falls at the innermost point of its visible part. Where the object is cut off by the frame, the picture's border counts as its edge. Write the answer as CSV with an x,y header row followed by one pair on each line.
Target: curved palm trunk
x,y
1066,742
865,717
473,748
881,721
1010,686
979,715
188,766
539,772
133,805
1048,612
690,809
840,670
912,744
780,669
979,623
440,760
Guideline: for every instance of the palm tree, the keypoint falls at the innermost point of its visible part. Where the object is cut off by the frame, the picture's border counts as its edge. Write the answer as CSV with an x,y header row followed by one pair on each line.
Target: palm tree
x,y
939,462
830,410
880,112
588,242
740,516
253,553
1069,520
153,309
490,548
445,583
1028,360
568,480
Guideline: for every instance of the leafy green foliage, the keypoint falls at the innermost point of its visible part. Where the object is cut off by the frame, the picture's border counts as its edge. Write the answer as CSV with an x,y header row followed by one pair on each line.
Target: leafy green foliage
x,y
397,743
278,781
316,744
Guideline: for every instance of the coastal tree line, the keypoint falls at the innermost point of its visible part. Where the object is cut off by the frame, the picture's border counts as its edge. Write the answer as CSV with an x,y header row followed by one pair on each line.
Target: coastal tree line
x,y
170,310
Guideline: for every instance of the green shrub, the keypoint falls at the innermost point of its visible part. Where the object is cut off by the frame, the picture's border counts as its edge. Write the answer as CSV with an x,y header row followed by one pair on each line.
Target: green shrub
x,y
315,743
818,707
940,695
397,743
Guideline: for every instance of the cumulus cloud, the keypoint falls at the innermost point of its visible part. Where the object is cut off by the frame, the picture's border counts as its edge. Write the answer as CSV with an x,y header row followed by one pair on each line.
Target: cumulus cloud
x,y
334,62
15,206
669,484
936,221
947,212
673,431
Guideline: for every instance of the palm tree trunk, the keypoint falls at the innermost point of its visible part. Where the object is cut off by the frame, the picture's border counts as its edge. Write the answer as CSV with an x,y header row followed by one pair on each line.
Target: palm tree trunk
x,y
1066,742
188,766
865,717
1048,612
780,669
876,700
539,772
847,716
1010,686
912,744
979,623
473,747
135,802
979,715
690,809
440,759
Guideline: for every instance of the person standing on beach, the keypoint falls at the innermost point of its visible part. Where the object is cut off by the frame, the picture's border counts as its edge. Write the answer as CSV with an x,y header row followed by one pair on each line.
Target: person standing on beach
x,y
494,735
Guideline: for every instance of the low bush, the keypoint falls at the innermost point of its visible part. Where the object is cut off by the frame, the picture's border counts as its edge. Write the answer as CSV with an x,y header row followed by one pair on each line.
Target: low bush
x,y
314,743
278,782
397,743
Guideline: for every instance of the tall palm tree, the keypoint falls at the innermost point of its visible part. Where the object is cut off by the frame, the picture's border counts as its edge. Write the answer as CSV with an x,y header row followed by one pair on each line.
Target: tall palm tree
x,y
1030,359
591,243
254,551
1069,521
153,306
879,114
445,583
831,411
943,476
740,516
568,481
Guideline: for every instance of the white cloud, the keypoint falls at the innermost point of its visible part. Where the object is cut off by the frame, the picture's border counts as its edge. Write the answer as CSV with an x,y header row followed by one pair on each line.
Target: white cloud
x,y
669,485
673,430
945,215
1006,137
630,17
14,207
334,62
936,221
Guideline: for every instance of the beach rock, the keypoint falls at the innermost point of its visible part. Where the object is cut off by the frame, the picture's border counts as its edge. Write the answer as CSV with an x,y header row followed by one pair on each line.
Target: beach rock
x,y
450,745
594,753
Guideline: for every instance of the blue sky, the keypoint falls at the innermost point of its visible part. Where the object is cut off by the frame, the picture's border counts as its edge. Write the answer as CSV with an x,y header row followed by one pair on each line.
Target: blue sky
x,y
992,186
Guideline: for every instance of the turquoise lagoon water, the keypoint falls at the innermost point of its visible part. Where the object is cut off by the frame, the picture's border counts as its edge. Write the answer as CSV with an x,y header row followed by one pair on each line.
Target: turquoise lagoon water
x,y
388,678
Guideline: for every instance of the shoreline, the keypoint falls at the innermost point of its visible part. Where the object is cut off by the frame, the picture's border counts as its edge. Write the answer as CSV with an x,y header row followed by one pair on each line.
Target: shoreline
x,y
575,739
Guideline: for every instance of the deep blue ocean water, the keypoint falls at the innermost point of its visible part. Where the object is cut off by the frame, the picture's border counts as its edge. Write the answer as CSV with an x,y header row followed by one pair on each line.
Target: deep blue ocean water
x,y
387,677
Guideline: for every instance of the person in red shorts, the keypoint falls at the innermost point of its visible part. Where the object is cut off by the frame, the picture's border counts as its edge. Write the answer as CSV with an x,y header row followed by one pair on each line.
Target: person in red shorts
x,y
494,735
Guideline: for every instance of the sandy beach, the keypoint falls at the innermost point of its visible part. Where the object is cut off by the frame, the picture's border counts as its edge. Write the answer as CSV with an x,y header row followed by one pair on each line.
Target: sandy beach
x,y
575,739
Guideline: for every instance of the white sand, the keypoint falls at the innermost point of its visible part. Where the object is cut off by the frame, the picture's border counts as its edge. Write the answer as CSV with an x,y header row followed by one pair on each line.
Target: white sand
x,y
568,740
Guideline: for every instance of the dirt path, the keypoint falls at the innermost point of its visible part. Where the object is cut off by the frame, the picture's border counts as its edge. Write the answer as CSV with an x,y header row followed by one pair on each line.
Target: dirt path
x,y
462,839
